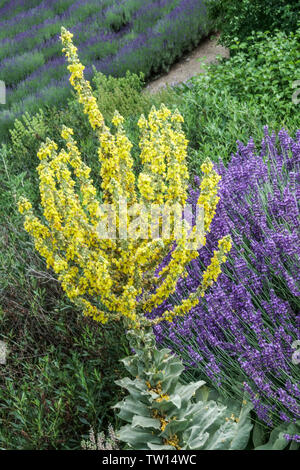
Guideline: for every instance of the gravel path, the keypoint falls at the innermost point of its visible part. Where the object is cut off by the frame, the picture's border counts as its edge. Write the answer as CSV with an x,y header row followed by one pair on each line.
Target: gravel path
x,y
189,66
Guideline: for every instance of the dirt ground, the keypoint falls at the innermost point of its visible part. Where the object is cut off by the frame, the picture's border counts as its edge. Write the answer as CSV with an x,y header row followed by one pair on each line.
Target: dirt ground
x,y
190,65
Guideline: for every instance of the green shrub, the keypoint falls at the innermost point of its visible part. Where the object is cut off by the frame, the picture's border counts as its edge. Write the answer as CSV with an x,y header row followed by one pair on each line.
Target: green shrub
x,y
122,93
51,394
26,131
215,120
164,414
239,96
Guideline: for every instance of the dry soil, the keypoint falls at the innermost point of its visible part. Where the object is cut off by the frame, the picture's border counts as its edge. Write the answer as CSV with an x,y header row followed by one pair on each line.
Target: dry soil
x,y
190,65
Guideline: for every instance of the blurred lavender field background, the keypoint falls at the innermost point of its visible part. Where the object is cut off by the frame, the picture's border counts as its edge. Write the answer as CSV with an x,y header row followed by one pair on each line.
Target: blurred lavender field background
x,y
112,35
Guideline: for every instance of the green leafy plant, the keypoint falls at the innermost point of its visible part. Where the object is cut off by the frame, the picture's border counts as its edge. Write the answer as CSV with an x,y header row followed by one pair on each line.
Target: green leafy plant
x,y
124,94
163,413
239,18
262,71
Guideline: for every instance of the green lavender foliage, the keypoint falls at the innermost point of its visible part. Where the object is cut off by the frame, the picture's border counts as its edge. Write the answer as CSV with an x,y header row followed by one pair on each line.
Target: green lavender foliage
x,y
163,413
123,94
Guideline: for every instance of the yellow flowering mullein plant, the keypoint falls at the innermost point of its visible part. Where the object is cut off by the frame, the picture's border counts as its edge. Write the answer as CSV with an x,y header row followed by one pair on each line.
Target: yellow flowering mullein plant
x,y
115,278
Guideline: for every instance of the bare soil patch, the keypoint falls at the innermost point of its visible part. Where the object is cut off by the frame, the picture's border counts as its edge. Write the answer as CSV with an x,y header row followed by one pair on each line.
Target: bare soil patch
x,y
190,65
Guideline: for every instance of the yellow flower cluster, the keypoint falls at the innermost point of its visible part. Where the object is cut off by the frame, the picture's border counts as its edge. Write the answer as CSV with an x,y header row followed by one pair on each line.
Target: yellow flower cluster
x,y
24,205
118,179
116,278
161,418
210,276
208,198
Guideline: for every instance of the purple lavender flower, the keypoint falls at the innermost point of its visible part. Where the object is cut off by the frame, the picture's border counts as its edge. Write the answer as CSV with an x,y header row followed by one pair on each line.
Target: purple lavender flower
x,y
290,437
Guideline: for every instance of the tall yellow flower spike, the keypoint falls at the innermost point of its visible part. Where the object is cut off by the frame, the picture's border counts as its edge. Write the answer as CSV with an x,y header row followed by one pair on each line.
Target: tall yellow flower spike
x,y
113,278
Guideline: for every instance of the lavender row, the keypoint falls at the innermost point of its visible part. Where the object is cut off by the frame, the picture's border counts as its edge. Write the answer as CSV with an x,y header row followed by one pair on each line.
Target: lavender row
x,y
116,37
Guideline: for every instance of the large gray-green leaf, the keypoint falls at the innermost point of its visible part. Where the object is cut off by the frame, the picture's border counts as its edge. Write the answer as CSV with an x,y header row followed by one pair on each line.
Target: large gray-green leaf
x,y
186,392
138,438
176,426
241,432
217,429
277,441
176,400
130,365
294,445
136,387
130,407
159,447
258,435
141,421
197,438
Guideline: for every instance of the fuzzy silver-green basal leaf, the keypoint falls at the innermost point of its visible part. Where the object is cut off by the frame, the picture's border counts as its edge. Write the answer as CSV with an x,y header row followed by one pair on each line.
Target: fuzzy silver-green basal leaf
x,y
163,413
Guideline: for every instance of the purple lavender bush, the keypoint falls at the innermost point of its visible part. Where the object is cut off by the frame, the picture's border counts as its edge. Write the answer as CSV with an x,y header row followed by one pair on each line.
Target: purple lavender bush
x,y
240,337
